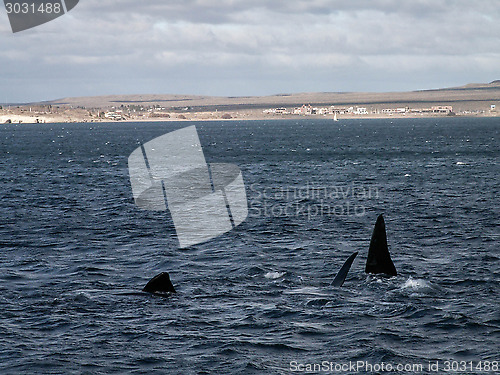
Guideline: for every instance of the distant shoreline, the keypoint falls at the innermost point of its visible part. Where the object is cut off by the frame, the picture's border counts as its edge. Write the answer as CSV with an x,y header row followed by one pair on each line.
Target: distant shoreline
x,y
16,119
473,100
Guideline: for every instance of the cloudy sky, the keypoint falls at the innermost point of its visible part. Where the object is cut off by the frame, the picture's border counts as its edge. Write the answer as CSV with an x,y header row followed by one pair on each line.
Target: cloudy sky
x,y
251,47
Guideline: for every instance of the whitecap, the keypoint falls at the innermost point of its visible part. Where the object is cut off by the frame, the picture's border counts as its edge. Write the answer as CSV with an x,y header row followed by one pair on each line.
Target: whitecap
x,y
416,284
274,275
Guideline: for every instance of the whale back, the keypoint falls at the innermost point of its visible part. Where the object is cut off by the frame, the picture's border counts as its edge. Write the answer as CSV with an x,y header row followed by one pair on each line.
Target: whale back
x,y
160,284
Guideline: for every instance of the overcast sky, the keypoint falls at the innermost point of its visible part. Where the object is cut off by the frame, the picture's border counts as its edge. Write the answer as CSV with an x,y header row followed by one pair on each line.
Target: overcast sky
x,y
251,47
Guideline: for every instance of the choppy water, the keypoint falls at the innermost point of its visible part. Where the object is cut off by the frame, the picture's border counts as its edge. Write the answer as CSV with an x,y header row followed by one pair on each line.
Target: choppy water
x,y
255,300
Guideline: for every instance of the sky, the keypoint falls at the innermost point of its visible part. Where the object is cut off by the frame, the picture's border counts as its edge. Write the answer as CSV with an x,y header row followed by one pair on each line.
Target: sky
x,y
252,47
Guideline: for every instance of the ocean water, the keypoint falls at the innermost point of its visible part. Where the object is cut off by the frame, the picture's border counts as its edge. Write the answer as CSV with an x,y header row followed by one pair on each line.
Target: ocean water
x,y
75,252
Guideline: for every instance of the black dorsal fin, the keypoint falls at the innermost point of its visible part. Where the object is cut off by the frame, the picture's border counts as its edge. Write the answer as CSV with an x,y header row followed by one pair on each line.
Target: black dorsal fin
x,y
160,284
379,259
342,274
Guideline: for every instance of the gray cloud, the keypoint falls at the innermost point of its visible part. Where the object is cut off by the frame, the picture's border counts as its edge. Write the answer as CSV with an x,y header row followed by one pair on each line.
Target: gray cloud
x,y
237,47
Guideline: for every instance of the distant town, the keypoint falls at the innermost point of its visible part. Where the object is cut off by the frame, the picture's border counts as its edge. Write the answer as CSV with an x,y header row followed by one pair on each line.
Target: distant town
x,y
358,110
50,114
470,100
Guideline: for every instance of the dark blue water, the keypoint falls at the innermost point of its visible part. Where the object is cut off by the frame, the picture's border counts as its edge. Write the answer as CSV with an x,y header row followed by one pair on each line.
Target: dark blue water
x,y
74,249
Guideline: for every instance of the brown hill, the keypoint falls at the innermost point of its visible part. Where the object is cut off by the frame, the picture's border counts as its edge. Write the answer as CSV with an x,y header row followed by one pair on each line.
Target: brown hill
x,y
470,96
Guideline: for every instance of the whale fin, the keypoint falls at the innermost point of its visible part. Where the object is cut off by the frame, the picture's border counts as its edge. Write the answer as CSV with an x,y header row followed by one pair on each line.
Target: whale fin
x,y
342,274
379,259
160,284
